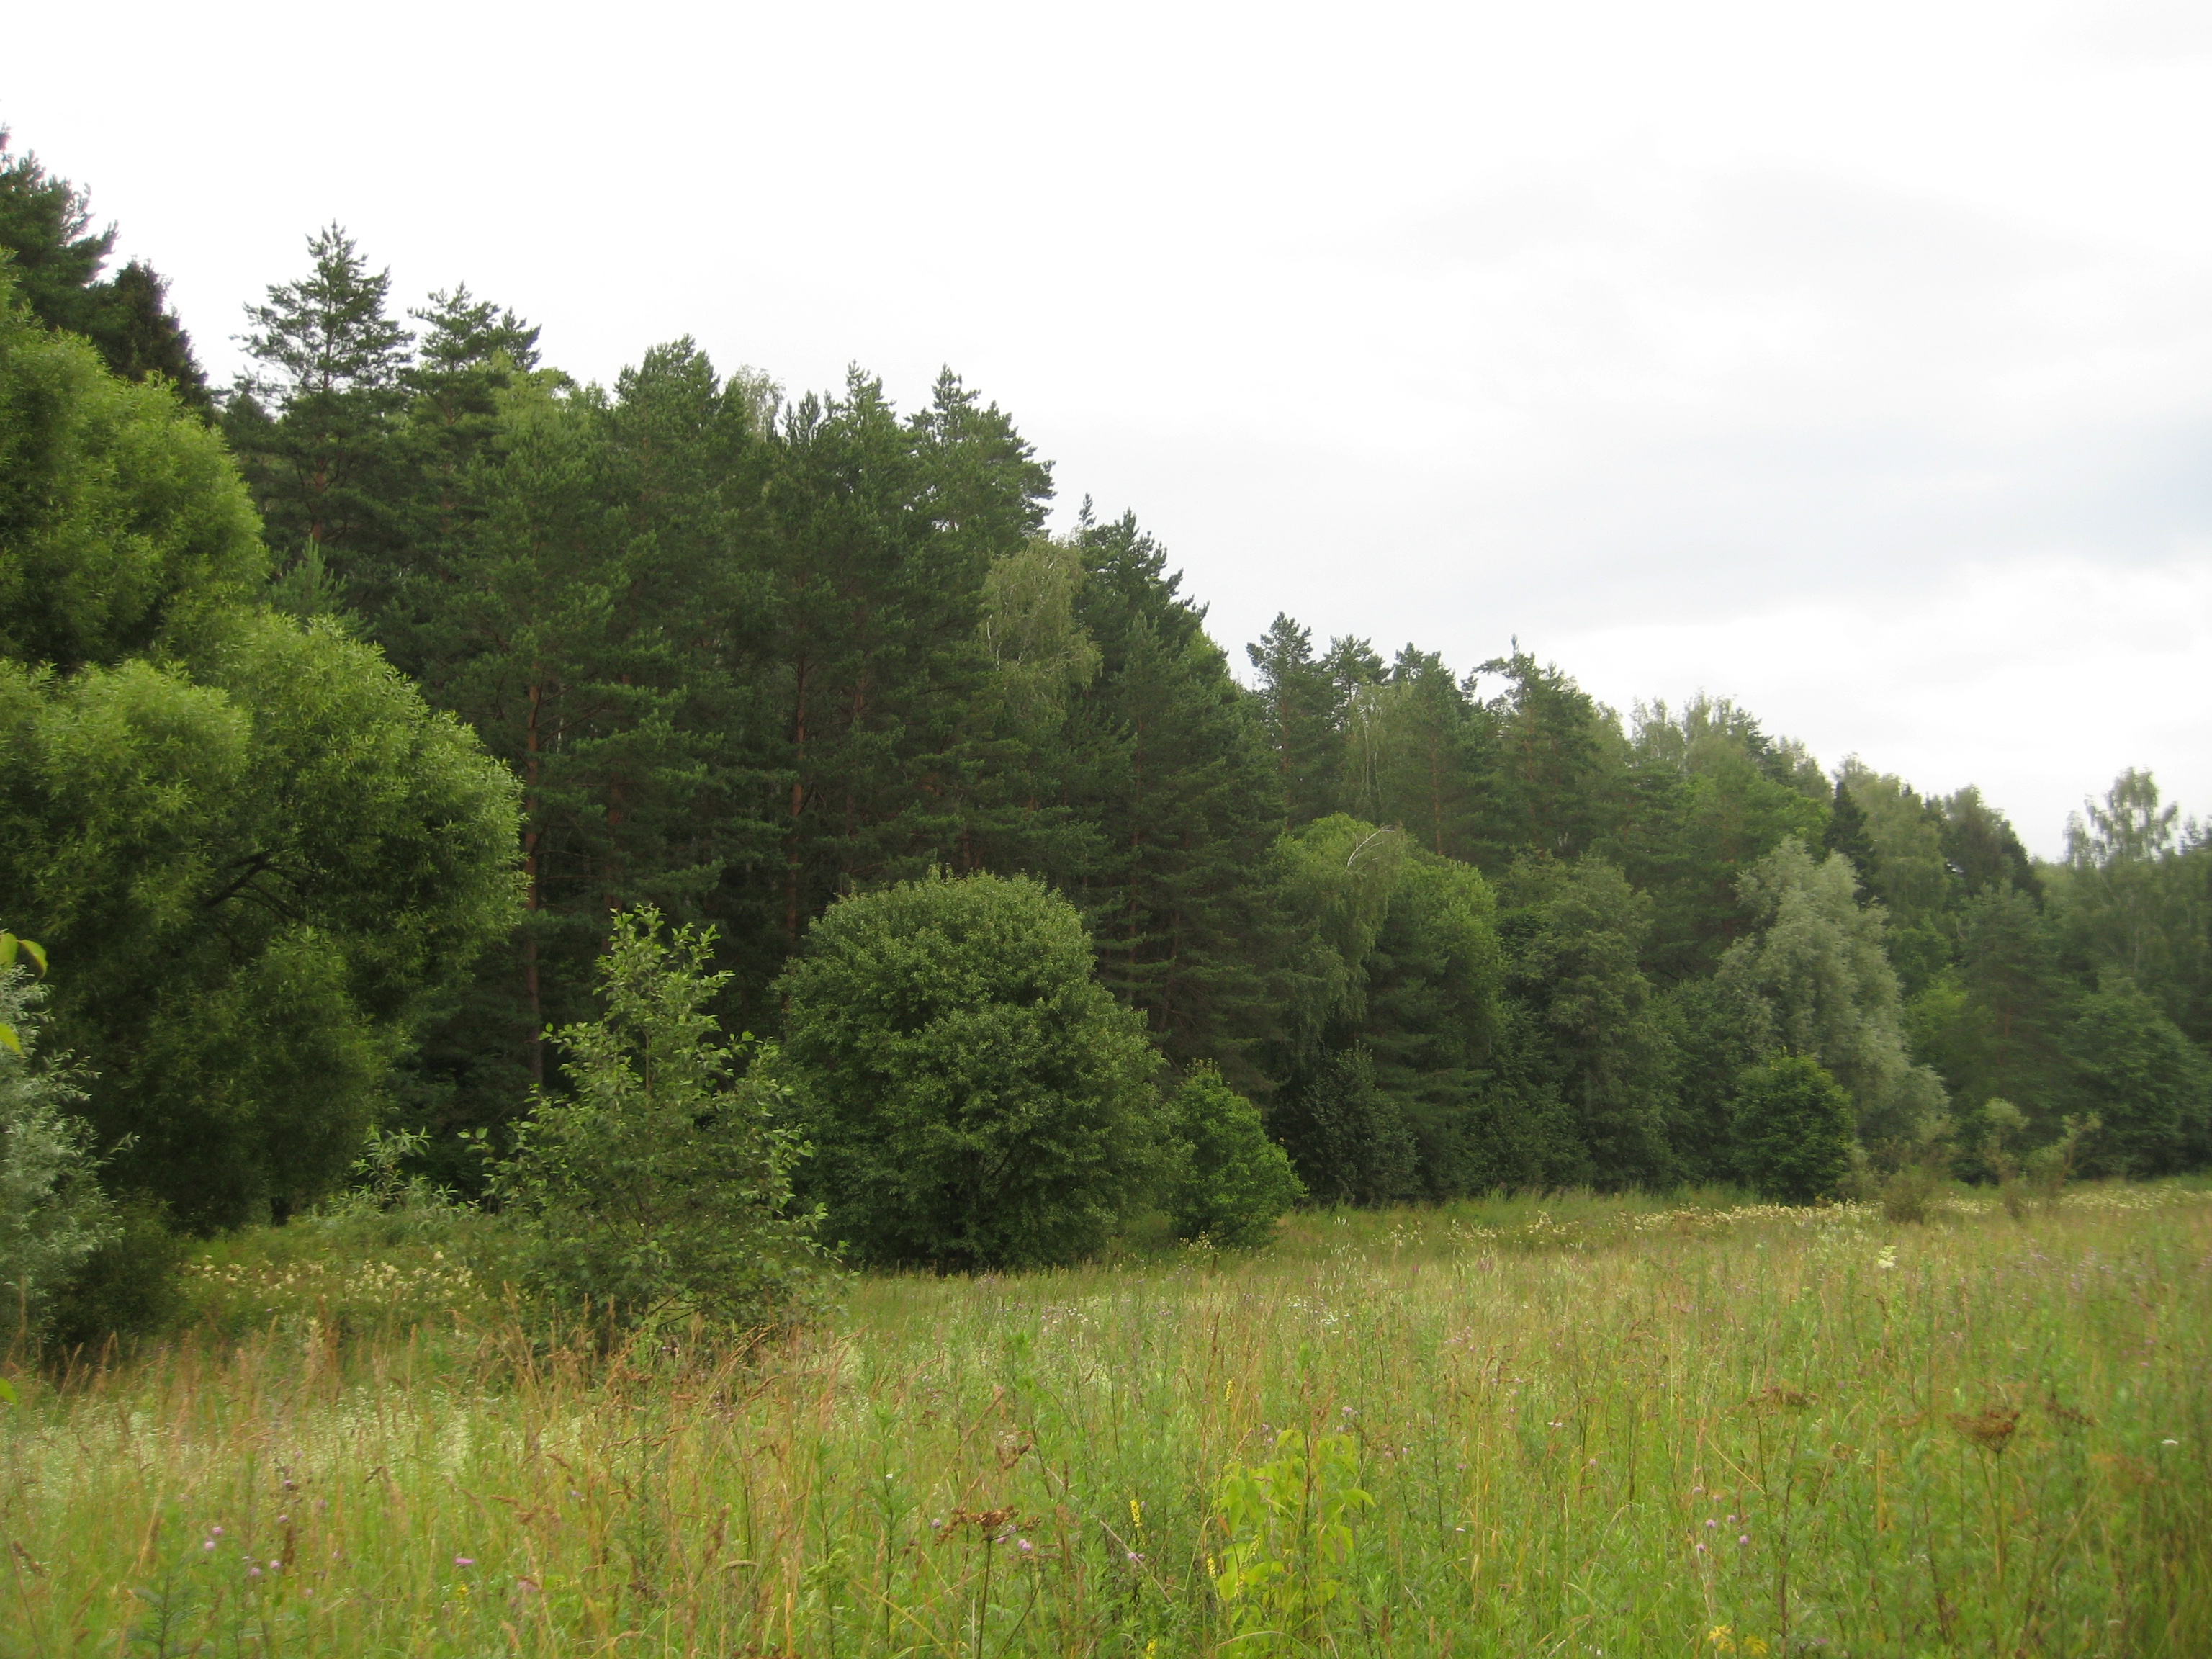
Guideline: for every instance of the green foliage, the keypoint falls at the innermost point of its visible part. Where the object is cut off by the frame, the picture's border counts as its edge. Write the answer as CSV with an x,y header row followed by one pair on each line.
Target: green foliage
x,y
1349,1137
1574,933
1793,1129
2150,1087
973,1095
55,258
1816,981
262,878
1709,793
123,528
2134,897
657,1189
1230,1181
1391,1012
52,1215
1288,1530
130,1285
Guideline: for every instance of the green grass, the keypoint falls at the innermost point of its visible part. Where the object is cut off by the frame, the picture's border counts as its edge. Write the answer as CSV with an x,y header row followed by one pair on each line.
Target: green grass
x,y
1590,1427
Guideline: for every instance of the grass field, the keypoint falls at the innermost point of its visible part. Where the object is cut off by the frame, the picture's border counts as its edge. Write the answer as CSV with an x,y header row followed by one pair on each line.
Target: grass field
x,y
1580,1427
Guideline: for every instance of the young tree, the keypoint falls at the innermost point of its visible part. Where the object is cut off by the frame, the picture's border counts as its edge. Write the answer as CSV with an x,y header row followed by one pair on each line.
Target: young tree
x,y
1707,794
657,1189
975,1097
53,1216
1230,1182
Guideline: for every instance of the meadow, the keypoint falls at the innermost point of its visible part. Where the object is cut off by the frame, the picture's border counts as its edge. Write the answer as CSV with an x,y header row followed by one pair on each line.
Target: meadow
x,y
1573,1426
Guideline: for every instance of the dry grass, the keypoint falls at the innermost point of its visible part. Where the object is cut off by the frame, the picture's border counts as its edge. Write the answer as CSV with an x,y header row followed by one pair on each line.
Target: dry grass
x,y
1590,1427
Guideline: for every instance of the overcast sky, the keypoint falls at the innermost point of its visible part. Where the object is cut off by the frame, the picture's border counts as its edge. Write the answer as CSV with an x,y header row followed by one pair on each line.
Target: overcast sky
x,y
1855,361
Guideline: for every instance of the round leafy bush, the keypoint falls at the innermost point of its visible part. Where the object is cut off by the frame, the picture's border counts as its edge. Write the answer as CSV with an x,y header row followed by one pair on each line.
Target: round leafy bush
x,y
1793,1130
974,1096
1231,1181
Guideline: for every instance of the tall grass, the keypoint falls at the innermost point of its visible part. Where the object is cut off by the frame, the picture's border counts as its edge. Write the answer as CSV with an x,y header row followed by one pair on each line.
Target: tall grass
x,y
1589,1426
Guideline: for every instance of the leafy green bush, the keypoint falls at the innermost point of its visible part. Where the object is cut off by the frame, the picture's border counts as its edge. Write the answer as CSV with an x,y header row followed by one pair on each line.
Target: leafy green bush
x,y
130,1285
1231,1181
1793,1129
1289,1530
975,1097
658,1188
53,1215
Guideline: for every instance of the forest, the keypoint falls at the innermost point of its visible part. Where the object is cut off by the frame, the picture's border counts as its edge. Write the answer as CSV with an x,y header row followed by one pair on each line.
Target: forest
x,y
347,710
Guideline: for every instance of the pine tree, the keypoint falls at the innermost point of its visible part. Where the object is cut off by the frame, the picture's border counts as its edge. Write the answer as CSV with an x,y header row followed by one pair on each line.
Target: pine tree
x,y
57,257
317,426
1301,711
1186,798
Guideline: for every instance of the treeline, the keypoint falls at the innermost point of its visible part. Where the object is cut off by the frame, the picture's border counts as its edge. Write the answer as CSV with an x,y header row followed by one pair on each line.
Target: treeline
x,y
1455,927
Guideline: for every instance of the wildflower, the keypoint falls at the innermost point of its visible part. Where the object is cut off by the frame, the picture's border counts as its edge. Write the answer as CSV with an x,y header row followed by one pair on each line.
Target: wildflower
x,y
1701,1547
2169,1443
1711,1523
1023,1545
465,1560
215,1532
254,1572
1136,1559
1743,1538
208,1544
276,1566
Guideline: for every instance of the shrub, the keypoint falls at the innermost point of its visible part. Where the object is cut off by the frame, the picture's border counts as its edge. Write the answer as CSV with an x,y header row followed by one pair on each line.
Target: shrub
x,y
53,1215
975,1097
1231,1181
131,1285
659,1190
1793,1129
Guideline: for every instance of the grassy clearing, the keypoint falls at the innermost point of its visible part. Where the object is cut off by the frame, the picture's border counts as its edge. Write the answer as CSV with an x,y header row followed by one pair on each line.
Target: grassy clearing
x,y
1588,1427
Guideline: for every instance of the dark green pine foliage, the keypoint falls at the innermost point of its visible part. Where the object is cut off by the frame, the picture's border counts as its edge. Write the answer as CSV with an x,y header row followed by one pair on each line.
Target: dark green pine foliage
x,y
1554,771
318,425
1301,712
1350,1141
873,537
1186,798
468,358
587,617
1982,849
46,228
1847,834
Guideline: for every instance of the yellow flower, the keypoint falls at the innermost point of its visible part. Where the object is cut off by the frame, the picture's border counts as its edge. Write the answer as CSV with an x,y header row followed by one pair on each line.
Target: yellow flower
x,y
1722,1637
